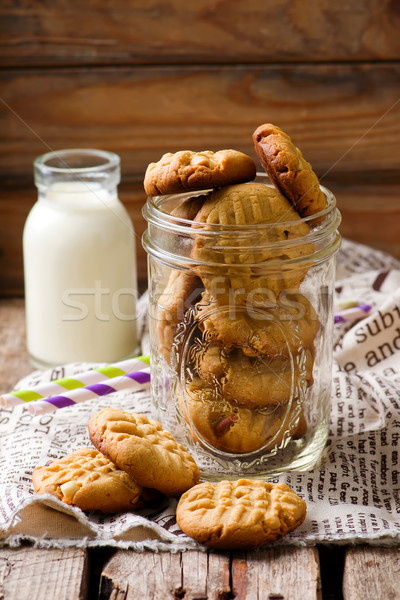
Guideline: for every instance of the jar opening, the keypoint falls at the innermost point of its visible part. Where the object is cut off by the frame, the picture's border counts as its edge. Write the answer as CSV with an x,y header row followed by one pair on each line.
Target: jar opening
x,y
86,165
172,238
159,208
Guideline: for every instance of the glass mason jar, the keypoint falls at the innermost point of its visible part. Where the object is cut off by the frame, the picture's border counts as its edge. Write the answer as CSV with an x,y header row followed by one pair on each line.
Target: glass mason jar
x,y
241,320
79,262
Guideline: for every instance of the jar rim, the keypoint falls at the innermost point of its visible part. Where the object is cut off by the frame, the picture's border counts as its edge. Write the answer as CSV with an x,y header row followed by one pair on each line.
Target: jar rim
x,y
86,165
108,159
153,213
322,235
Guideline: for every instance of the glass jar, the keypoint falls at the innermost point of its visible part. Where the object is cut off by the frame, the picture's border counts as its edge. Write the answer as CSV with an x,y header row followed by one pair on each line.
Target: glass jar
x,y
79,262
241,320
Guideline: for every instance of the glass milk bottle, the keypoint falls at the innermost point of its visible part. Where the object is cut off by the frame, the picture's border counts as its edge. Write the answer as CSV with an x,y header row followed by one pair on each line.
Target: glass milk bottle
x,y
79,262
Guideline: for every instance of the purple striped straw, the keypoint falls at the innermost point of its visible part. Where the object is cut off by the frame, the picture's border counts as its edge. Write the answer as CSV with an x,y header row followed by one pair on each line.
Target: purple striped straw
x,y
138,380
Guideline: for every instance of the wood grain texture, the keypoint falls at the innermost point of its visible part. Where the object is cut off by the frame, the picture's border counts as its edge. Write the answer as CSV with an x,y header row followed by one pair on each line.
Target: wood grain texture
x,y
39,574
371,573
370,214
343,117
133,32
280,573
190,575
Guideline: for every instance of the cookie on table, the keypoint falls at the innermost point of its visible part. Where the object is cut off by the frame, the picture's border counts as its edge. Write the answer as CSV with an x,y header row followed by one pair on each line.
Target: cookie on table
x,y
231,427
284,328
143,449
240,514
87,479
255,381
186,170
288,170
269,228
182,291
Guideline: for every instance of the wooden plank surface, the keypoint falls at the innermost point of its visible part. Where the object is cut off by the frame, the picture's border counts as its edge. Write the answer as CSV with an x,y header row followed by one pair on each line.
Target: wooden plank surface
x,y
130,31
371,573
43,574
345,118
281,573
189,575
273,573
370,213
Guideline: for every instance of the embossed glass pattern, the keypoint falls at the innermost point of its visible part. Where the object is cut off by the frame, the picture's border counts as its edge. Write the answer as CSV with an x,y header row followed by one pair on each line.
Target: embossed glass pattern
x,y
241,321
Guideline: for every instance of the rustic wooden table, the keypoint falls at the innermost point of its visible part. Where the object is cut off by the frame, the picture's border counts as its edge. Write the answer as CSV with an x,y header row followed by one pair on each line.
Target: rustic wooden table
x,y
325,572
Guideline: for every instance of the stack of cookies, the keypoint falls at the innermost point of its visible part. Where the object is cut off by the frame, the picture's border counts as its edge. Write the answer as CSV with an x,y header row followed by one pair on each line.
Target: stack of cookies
x,y
133,463
249,361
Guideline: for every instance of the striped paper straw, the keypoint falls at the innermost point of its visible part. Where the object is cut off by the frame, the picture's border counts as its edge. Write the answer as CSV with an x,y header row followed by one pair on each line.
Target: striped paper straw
x,y
138,380
351,311
59,386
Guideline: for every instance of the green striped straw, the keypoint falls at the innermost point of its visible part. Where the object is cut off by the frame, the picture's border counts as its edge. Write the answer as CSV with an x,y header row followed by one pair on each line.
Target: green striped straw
x,y
91,377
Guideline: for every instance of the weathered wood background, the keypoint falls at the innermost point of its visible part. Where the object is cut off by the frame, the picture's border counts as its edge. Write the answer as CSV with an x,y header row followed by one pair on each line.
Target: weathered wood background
x,y
142,78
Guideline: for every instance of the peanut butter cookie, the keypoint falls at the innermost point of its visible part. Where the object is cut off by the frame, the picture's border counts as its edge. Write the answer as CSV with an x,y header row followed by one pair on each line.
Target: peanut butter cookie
x,y
187,170
89,480
180,294
258,381
282,329
288,170
143,449
189,208
230,427
261,230
240,514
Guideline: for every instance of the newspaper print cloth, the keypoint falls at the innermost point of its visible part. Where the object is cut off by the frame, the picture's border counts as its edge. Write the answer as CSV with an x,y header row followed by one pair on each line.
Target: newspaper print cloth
x,y
352,496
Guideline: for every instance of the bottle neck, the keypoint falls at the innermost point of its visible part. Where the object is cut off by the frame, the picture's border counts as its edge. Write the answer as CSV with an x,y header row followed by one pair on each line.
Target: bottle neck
x,y
80,178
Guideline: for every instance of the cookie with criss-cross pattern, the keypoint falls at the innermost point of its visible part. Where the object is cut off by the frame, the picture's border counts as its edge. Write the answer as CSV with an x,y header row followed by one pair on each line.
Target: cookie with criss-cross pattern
x,y
240,514
87,479
186,170
288,170
243,259
143,449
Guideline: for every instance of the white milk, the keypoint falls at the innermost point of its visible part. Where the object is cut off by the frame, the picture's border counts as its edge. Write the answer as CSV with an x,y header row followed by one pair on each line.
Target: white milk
x,y
80,276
